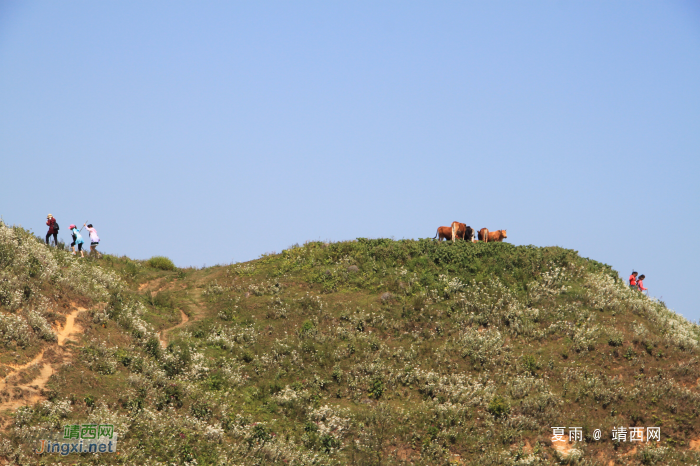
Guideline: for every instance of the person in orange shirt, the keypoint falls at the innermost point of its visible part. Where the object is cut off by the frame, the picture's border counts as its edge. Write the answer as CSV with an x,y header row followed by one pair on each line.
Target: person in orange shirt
x,y
640,283
633,280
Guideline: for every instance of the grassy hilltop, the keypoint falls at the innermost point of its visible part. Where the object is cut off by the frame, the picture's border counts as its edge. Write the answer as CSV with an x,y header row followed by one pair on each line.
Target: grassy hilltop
x,y
361,352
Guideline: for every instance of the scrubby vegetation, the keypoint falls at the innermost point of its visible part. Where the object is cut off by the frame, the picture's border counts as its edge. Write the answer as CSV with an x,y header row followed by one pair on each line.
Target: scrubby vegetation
x,y
360,352
161,263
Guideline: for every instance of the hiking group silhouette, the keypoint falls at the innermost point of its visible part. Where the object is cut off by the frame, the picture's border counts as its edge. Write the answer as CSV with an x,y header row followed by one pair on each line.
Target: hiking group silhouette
x,y
75,235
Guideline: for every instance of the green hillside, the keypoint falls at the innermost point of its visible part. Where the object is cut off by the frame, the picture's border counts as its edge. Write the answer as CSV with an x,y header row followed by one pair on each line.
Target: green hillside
x,y
362,352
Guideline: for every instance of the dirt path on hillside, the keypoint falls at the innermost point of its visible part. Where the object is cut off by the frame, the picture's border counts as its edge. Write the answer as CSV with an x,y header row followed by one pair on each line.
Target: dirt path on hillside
x,y
146,285
155,286
563,447
13,394
162,334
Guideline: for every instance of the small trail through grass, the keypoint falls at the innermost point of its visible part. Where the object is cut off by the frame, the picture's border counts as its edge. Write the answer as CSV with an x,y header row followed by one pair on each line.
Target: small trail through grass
x,y
31,392
155,286
162,334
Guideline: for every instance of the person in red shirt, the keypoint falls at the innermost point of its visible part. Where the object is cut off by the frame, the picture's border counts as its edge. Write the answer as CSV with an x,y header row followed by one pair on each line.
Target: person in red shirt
x,y
53,231
633,280
640,283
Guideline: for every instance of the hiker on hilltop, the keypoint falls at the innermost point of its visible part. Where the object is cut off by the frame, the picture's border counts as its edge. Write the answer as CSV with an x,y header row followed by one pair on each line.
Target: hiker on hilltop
x,y
633,280
640,283
53,229
94,241
77,239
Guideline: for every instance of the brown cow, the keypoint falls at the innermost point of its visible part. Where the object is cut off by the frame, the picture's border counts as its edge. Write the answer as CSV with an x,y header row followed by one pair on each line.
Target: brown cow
x,y
498,235
484,235
462,231
443,233
458,230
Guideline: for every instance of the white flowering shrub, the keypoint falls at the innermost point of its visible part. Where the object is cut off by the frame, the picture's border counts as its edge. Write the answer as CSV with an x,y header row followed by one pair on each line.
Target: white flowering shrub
x,y
102,414
287,397
40,326
242,269
25,264
653,454
604,292
213,289
99,357
229,337
496,305
523,385
333,425
585,336
272,287
90,280
480,347
127,312
23,415
14,330
450,286
551,283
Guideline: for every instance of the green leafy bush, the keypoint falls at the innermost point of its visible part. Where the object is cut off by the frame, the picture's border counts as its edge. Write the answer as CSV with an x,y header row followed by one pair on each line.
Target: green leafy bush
x,y
376,389
530,363
498,406
161,299
160,263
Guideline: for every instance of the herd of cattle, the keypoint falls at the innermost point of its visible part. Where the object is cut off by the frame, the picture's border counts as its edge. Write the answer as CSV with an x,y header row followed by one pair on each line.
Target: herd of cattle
x,y
462,231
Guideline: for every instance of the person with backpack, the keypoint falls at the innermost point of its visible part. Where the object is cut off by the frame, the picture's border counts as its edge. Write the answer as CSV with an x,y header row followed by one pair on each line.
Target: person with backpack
x,y
53,229
94,241
77,239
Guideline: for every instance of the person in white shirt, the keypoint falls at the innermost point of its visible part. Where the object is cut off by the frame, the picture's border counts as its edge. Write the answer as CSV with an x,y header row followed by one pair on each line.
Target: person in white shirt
x,y
94,240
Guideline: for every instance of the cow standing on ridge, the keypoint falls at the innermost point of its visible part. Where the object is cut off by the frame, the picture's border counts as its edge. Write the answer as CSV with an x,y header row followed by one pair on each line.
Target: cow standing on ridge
x,y
484,235
458,230
497,236
443,233
462,231
493,236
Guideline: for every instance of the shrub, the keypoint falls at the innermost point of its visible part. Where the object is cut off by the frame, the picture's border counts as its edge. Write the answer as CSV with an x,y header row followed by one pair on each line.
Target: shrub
x,y
337,373
432,432
14,329
170,395
247,356
161,263
162,299
376,389
498,406
307,328
100,358
260,434
39,324
615,340
216,382
530,364
201,409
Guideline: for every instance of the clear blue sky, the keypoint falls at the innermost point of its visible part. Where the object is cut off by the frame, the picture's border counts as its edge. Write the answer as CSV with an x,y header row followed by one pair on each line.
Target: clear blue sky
x,y
212,132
